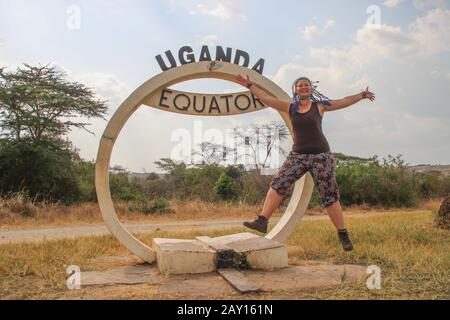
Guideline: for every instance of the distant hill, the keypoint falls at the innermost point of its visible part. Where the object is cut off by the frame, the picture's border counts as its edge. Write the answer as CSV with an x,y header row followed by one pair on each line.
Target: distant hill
x,y
424,168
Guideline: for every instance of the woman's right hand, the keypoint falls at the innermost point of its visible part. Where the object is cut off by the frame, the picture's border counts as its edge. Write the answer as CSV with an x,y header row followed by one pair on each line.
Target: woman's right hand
x,y
242,81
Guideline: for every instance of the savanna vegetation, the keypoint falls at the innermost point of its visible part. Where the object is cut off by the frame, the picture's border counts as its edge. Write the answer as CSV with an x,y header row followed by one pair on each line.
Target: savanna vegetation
x,y
38,106
43,177
410,251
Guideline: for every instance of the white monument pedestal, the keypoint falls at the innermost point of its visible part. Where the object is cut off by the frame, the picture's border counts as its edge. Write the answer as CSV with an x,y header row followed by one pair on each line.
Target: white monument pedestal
x,y
205,254
176,256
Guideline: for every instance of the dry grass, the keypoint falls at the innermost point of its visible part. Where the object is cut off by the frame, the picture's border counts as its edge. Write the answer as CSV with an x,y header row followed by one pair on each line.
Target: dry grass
x,y
18,212
411,252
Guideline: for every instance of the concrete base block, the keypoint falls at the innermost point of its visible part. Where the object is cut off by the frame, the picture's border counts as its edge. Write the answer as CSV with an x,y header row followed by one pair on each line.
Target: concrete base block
x,y
268,259
225,256
176,256
257,252
242,251
235,237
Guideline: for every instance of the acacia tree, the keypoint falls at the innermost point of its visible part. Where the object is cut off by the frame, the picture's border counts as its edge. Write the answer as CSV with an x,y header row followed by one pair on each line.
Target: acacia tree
x,y
210,152
260,141
39,103
38,106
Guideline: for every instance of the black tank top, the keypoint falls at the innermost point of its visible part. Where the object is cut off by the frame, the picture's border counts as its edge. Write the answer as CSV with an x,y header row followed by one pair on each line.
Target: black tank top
x,y
308,135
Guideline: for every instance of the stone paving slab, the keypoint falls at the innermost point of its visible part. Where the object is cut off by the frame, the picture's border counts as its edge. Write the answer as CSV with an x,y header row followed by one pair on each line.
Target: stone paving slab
x,y
137,274
238,281
306,277
292,278
206,284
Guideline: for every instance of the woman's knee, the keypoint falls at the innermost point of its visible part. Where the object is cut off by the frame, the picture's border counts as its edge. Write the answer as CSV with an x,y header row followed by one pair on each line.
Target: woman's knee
x,y
276,193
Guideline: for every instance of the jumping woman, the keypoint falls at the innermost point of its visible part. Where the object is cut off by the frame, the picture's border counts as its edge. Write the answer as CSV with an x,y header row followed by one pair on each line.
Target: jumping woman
x,y
310,151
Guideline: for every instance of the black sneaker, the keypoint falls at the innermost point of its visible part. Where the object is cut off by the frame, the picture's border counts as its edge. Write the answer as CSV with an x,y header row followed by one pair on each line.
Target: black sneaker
x,y
345,240
259,224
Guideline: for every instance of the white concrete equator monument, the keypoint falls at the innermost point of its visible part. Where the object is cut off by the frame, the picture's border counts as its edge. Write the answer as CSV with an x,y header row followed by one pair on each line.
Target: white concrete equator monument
x,y
156,93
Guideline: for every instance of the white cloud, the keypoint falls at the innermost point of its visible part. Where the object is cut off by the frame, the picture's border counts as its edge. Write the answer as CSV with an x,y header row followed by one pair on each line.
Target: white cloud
x,y
220,10
432,31
424,4
419,4
329,24
105,85
224,9
386,41
310,32
427,35
394,63
392,3
209,40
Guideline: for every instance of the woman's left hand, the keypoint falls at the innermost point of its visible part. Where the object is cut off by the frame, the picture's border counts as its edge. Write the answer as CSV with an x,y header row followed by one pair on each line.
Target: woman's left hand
x,y
368,95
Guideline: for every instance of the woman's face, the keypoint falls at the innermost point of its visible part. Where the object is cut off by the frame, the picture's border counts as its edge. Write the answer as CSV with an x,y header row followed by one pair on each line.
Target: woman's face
x,y
303,89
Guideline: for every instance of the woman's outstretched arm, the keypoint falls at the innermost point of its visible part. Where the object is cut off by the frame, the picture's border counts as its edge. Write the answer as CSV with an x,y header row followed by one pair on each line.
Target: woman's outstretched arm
x,y
350,100
268,100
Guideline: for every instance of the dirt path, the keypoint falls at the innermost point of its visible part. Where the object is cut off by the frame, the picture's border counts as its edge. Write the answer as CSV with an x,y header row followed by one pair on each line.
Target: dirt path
x,y
55,233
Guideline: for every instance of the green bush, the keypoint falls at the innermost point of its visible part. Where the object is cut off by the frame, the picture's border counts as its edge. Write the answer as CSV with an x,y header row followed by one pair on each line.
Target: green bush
x,y
121,188
389,184
157,206
85,176
254,187
161,205
199,182
434,184
45,170
226,187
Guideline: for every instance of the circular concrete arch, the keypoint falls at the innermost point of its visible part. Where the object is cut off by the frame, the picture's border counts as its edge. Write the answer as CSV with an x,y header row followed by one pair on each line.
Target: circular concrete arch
x,y
198,70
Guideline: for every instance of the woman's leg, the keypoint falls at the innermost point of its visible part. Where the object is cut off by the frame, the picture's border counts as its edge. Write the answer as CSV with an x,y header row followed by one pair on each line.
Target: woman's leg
x,y
291,170
335,213
273,200
322,168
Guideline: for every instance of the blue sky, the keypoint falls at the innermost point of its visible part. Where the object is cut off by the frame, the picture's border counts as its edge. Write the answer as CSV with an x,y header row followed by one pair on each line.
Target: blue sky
x,y
404,59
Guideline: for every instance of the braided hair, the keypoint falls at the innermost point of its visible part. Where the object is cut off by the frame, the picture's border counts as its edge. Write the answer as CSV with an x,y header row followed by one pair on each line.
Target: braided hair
x,y
316,96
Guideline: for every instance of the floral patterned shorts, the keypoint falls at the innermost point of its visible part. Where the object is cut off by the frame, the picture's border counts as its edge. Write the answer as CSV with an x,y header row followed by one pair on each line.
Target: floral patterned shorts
x,y
322,169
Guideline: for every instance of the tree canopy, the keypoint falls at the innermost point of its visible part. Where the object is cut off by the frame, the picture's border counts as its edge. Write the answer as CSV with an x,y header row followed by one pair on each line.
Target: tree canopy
x,y
38,106
39,103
